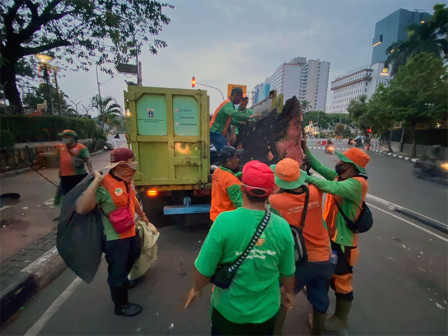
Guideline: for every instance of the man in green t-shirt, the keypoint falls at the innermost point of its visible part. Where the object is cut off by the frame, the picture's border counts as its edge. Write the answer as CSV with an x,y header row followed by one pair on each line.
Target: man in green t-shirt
x,y
251,303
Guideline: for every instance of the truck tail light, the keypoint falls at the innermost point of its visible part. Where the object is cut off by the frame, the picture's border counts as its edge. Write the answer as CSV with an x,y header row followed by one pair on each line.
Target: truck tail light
x,y
152,193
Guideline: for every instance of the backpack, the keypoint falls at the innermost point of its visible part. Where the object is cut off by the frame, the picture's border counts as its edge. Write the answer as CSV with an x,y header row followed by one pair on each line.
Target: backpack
x,y
364,221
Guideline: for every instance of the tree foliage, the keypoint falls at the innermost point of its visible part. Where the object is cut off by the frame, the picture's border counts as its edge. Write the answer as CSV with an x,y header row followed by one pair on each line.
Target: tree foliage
x,y
109,111
79,32
416,95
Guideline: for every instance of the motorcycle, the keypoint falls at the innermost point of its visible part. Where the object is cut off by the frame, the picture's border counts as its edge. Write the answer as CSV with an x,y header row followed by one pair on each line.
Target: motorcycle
x,y
329,149
431,169
358,143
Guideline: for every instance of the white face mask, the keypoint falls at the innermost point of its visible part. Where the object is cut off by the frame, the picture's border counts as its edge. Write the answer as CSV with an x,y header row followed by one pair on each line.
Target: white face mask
x,y
133,165
66,140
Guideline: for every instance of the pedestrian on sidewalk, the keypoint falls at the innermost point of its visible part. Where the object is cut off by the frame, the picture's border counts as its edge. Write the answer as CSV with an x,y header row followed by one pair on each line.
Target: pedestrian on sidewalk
x,y
251,303
292,204
115,195
226,191
73,159
347,187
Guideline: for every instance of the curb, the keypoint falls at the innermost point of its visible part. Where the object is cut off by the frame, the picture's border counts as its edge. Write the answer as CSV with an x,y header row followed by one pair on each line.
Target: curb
x,y
411,214
395,155
29,281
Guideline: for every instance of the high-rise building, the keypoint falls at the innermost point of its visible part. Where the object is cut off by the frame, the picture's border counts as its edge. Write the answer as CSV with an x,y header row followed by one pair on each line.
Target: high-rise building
x,y
305,79
362,81
393,28
261,91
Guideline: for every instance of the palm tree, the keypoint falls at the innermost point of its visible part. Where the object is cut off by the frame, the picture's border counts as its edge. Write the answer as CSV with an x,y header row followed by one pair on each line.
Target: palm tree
x,y
109,110
306,106
428,37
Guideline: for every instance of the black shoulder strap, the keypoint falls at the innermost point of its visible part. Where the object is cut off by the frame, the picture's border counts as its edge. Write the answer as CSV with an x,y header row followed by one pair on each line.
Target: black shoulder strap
x,y
343,214
305,207
264,222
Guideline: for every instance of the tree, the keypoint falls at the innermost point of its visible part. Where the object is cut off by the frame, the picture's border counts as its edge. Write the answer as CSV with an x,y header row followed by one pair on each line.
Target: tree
x,y
109,110
76,31
430,36
359,113
319,118
306,105
50,94
418,93
339,129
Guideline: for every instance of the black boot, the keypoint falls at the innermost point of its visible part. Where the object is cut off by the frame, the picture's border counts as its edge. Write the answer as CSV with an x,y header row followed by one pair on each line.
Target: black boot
x,y
122,305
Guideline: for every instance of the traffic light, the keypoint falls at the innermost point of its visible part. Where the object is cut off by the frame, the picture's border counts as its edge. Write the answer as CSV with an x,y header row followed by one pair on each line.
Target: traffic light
x,y
193,82
369,130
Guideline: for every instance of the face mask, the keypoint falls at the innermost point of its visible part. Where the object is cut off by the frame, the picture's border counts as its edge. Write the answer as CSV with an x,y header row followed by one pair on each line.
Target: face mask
x,y
124,171
133,165
340,169
66,141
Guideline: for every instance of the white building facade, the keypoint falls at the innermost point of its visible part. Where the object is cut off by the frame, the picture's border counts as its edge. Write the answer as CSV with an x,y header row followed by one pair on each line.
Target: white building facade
x,y
305,79
358,82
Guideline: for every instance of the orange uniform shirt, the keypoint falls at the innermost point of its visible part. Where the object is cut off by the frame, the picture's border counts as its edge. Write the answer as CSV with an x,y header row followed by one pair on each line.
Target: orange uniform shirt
x,y
71,161
290,206
225,192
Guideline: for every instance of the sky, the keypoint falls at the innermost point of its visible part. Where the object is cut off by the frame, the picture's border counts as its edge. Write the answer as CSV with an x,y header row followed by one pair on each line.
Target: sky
x,y
243,42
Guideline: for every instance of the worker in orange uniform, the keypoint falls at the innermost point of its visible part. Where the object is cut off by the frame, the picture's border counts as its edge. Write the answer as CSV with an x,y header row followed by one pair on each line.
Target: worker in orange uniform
x,y
301,206
226,192
347,187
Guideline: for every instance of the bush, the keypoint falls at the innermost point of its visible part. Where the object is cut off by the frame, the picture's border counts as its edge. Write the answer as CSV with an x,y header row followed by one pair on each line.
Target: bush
x,y
7,139
45,128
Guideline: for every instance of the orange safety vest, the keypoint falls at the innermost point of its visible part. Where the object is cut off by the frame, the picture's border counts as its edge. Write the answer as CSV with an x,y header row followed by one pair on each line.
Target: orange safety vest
x,y
119,194
229,119
290,206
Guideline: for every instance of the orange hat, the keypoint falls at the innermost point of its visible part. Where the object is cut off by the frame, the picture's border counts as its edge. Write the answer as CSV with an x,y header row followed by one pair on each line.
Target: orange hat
x,y
356,156
288,174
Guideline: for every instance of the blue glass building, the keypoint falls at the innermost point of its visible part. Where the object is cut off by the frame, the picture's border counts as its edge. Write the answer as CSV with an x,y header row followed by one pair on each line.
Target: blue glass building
x,y
393,28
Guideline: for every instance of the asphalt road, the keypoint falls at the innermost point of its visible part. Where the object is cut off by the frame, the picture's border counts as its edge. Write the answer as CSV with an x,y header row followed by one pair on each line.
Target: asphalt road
x,y
400,281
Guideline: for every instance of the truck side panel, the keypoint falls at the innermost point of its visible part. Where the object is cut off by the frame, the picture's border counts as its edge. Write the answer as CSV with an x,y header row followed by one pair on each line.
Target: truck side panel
x,y
169,133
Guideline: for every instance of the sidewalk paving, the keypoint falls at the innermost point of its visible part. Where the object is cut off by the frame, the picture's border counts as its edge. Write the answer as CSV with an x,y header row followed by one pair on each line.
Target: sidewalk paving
x,y
28,254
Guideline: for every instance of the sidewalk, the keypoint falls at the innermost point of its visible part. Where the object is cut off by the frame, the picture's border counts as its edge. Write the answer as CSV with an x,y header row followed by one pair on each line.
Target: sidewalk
x,y
28,254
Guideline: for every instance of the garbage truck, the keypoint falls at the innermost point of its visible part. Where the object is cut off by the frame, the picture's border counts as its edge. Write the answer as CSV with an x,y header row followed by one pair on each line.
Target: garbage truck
x,y
168,130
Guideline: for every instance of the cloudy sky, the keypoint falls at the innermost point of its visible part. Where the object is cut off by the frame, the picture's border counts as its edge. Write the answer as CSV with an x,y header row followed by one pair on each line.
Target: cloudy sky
x,y
243,42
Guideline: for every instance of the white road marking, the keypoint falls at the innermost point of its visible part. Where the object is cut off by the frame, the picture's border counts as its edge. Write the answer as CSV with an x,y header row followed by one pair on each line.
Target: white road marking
x,y
410,223
54,307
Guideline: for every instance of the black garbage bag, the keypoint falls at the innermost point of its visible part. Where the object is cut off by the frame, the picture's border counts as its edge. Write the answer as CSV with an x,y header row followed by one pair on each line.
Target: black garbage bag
x,y
80,237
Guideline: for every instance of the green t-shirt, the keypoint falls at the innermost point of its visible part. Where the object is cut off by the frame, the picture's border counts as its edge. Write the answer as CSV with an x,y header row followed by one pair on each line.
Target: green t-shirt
x,y
254,295
104,200
228,110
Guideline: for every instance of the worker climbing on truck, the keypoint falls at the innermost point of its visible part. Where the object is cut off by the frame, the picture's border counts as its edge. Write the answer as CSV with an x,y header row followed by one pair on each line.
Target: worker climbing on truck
x,y
224,116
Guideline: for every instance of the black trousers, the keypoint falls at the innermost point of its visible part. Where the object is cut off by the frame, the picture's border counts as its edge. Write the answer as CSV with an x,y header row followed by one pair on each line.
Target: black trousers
x,y
69,182
121,254
222,326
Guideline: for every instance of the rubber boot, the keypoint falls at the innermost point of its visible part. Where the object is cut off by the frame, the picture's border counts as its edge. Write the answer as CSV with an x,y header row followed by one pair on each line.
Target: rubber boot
x,y
339,319
316,322
280,320
122,305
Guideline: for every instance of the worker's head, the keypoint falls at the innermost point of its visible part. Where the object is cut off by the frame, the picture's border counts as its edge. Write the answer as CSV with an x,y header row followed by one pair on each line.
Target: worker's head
x,y
229,157
236,94
288,174
351,163
122,163
243,103
68,137
258,182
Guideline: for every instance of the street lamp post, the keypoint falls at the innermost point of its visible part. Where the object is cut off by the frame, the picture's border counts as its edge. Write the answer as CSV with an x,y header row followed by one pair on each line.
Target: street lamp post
x,y
209,86
45,61
55,71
